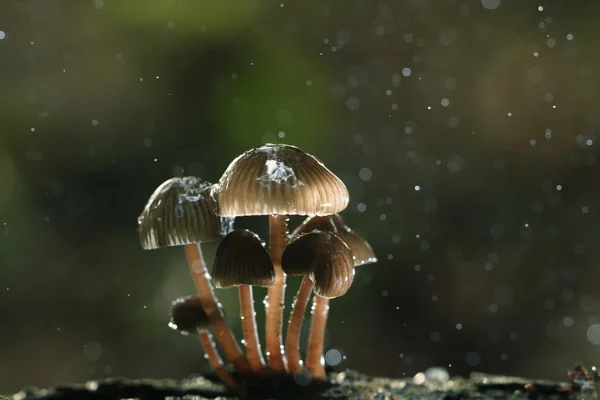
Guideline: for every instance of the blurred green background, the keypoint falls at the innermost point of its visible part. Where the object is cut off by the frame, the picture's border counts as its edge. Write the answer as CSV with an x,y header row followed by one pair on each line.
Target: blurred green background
x,y
466,132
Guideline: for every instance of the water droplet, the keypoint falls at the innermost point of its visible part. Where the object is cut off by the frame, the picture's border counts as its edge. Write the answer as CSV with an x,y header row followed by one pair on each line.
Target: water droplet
x,y
92,351
473,359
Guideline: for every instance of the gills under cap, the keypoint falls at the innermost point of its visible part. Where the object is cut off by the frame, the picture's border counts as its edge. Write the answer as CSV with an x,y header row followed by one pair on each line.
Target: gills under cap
x,y
279,179
181,211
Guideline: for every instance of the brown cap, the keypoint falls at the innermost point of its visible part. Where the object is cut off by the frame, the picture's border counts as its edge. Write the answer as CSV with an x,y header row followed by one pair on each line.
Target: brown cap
x,y
280,179
241,259
301,255
326,223
188,315
325,257
181,211
361,249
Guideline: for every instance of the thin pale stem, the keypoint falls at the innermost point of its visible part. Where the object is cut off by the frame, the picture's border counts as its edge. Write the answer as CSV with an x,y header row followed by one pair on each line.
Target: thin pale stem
x,y
292,339
276,295
316,339
212,307
210,350
253,350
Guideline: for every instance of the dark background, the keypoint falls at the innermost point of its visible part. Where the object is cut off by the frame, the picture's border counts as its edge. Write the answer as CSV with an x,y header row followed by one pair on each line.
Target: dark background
x,y
489,108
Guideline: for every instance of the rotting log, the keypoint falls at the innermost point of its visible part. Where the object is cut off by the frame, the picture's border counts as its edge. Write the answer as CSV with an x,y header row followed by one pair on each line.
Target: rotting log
x,y
348,385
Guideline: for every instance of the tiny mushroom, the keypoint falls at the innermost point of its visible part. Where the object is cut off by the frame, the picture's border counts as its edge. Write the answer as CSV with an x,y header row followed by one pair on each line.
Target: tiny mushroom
x,y
328,263
183,212
242,261
362,254
361,249
188,317
278,180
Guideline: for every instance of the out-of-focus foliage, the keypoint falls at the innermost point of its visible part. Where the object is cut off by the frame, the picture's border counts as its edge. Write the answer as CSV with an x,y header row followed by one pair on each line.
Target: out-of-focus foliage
x,y
221,18
466,132
279,101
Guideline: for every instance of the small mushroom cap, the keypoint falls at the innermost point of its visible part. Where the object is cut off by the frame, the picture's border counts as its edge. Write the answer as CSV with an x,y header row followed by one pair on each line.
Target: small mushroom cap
x,y
326,223
181,211
302,254
325,257
279,179
361,249
188,315
241,259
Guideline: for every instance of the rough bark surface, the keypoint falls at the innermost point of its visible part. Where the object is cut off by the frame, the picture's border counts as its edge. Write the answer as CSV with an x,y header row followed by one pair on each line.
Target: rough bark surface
x,y
345,385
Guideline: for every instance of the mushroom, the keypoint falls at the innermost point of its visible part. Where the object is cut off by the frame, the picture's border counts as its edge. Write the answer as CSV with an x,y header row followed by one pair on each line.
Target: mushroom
x,y
278,180
362,252
183,212
328,263
297,261
188,317
242,261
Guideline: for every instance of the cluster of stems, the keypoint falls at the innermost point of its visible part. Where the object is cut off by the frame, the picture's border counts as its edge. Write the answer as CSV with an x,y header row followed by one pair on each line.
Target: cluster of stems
x,y
253,362
271,180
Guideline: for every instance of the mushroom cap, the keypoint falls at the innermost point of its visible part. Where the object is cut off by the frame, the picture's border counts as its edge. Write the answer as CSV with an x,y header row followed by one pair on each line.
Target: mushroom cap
x,y
326,223
241,259
188,315
301,255
325,257
361,249
181,211
279,179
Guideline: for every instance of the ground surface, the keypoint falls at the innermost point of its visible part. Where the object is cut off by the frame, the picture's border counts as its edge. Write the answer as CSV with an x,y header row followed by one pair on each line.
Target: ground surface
x,y
345,385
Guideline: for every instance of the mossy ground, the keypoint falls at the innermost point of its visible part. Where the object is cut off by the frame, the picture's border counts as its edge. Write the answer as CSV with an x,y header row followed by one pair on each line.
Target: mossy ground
x,y
345,385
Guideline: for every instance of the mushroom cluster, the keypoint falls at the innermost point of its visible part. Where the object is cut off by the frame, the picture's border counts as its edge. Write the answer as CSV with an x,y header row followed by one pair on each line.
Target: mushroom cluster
x,y
274,180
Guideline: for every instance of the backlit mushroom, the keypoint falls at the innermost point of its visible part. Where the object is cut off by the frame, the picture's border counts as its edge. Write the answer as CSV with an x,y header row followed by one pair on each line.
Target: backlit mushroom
x,y
183,212
279,180
242,261
362,252
327,262
297,261
188,317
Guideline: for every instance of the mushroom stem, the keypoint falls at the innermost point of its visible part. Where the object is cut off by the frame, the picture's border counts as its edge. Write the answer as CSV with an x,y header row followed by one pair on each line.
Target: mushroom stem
x,y
253,350
292,339
316,339
276,294
212,307
210,350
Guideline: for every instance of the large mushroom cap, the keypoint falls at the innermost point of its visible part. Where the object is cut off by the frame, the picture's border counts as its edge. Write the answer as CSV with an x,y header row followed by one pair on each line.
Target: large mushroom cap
x,y
188,315
361,249
181,211
241,259
279,179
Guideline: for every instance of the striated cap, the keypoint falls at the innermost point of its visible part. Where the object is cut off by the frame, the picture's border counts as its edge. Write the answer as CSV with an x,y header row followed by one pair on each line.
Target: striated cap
x,y
325,258
188,315
301,255
280,179
326,223
181,211
241,259
361,249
